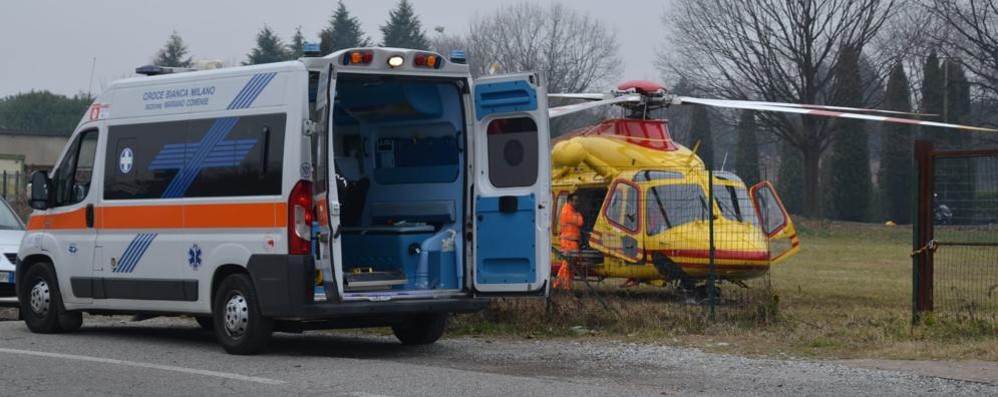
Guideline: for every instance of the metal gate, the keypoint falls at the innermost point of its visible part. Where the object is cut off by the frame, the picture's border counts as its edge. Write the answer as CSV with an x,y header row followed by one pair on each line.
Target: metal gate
x,y
955,236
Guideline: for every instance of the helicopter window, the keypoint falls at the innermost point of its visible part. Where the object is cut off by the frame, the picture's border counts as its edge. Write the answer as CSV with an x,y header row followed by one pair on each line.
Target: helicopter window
x,y
670,206
623,207
513,152
735,204
771,214
560,202
651,175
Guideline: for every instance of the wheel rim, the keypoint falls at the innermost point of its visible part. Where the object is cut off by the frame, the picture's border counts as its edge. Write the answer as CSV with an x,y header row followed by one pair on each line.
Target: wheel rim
x,y
236,316
40,298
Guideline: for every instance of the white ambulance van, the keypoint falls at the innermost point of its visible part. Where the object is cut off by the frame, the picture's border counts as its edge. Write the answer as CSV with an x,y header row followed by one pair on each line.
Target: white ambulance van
x,y
369,187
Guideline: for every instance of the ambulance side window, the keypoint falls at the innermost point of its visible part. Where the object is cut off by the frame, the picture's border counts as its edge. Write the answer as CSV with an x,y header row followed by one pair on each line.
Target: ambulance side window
x,y
73,176
513,152
219,157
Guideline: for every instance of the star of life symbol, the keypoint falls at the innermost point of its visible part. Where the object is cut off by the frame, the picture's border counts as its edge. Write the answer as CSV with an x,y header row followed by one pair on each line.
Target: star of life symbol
x,y
194,257
126,160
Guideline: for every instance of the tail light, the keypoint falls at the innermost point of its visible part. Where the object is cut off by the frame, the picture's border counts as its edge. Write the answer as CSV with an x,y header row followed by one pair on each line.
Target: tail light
x,y
300,219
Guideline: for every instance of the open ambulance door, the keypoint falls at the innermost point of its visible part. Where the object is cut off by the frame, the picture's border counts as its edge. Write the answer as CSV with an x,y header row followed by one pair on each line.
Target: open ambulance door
x,y
329,254
512,186
775,222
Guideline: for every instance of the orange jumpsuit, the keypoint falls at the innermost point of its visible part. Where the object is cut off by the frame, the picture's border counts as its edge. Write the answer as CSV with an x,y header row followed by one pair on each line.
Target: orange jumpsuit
x,y
569,223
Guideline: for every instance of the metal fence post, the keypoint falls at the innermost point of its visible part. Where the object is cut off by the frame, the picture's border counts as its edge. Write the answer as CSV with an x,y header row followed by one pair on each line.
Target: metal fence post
x,y
712,276
922,265
5,184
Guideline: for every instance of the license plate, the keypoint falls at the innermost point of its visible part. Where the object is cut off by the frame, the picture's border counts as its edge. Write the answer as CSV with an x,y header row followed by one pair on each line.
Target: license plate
x,y
7,277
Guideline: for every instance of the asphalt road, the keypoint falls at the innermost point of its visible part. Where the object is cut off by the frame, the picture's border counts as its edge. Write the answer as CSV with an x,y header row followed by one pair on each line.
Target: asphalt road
x,y
171,356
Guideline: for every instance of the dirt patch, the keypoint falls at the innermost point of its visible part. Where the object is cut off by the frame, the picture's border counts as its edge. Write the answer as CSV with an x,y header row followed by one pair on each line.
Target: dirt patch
x,y
970,370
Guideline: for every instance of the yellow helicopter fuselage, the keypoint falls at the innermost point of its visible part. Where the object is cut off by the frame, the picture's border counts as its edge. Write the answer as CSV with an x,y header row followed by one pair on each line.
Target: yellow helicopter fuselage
x,y
645,203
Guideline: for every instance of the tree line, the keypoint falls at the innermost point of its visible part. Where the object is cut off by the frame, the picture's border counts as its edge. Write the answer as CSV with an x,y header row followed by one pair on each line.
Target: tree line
x,y
935,57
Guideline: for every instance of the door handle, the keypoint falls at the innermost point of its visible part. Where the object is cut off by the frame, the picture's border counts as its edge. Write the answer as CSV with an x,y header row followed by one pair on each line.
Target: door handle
x,y
90,216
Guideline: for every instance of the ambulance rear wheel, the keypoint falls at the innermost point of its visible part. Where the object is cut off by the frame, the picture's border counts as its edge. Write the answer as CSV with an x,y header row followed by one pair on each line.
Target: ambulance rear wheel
x,y
41,302
421,329
239,326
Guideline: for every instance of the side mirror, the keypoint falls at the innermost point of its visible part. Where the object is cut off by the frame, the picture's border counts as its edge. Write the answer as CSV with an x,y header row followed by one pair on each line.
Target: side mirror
x,y
40,188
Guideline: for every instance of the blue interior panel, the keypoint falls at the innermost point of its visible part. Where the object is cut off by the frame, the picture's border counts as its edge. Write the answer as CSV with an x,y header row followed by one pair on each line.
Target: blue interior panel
x,y
505,97
505,243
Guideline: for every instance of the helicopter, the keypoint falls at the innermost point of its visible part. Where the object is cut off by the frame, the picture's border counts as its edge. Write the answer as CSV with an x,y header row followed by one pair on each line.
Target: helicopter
x,y
644,197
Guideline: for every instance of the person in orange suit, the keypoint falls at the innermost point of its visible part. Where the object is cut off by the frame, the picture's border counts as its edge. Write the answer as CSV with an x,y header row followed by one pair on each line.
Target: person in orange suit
x,y
570,222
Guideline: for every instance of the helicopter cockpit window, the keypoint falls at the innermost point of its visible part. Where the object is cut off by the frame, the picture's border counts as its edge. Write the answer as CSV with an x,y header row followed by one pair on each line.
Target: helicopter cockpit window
x,y
772,215
513,152
735,204
670,206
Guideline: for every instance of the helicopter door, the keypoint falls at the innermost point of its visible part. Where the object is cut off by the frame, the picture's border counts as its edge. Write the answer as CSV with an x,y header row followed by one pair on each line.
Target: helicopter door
x,y
622,213
775,221
512,185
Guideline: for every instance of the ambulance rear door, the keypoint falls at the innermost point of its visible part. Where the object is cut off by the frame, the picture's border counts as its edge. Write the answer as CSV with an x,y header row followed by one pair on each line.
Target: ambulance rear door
x,y
328,251
512,188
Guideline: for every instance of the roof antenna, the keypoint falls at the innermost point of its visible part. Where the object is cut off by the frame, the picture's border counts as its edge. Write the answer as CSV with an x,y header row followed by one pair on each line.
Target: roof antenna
x,y
724,162
90,86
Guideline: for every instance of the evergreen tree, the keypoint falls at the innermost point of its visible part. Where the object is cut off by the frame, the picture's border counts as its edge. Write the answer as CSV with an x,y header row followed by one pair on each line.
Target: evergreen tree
x,y
173,53
700,132
747,166
296,48
851,186
269,48
791,179
403,29
933,95
896,161
956,177
343,32
42,111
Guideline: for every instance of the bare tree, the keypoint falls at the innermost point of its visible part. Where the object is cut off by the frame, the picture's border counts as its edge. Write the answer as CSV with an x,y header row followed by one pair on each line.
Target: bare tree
x,y
969,32
576,51
772,50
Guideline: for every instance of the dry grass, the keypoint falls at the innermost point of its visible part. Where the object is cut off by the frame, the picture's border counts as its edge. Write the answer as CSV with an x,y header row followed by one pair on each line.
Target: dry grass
x,y
846,295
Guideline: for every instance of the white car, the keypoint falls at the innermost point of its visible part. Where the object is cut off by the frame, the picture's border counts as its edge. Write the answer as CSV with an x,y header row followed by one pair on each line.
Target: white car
x,y
11,231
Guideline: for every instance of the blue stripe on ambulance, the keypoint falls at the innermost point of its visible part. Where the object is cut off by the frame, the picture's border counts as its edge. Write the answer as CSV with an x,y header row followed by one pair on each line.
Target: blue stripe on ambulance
x,y
134,252
212,139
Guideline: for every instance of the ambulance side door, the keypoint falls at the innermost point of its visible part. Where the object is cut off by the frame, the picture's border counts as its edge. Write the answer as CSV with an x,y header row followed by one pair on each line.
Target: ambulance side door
x,y
512,187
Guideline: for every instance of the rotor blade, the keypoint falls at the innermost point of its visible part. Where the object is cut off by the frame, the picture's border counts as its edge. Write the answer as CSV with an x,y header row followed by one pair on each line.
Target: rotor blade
x,y
835,108
591,97
578,107
727,103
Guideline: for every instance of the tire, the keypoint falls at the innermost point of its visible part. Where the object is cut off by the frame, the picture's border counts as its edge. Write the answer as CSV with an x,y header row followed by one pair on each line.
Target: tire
x,y
206,322
239,326
421,329
41,302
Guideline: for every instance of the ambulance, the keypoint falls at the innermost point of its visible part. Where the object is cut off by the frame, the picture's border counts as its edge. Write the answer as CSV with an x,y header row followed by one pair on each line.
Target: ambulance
x,y
368,187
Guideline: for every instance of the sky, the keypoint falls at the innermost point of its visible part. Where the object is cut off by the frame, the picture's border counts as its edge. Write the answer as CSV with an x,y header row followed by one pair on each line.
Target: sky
x,y
53,45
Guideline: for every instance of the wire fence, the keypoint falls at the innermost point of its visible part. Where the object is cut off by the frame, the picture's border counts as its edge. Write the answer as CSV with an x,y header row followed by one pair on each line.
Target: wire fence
x,y
673,237
965,226
13,188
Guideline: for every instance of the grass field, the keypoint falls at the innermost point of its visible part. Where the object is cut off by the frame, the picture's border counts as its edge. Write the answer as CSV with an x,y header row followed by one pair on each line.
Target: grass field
x,y
847,294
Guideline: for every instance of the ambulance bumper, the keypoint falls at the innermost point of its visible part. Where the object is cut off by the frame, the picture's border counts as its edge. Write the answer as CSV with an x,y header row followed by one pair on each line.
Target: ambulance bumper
x,y
285,284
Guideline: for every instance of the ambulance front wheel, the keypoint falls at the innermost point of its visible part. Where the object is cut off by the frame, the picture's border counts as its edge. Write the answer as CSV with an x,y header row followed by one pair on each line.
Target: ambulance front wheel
x,y
41,302
239,326
421,329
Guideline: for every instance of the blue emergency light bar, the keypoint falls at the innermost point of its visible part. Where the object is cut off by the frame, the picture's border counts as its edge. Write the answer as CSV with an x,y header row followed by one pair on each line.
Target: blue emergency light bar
x,y
458,56
312,50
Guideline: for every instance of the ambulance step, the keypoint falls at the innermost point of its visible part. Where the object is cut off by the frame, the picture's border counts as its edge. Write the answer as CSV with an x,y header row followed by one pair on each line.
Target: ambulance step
x,y
369,280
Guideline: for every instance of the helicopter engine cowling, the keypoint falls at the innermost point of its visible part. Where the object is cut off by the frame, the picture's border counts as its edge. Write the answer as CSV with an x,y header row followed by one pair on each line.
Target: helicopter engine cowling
x,y
568,154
